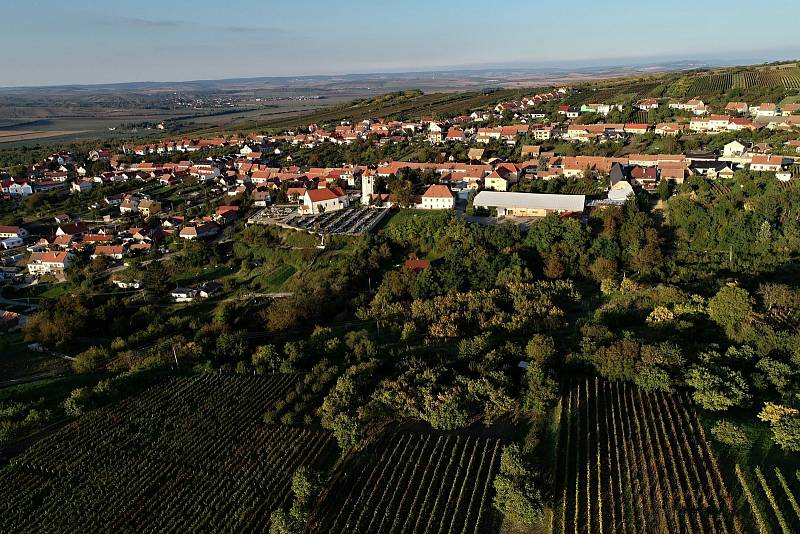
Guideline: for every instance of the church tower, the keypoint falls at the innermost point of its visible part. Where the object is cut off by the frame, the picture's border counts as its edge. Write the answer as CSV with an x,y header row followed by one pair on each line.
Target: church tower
x,y
367,188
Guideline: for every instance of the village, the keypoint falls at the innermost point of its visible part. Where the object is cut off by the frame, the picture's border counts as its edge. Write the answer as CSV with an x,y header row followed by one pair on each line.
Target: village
x,y
193,189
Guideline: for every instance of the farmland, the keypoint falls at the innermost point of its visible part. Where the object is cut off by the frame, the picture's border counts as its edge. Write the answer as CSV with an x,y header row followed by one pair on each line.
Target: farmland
x,y
769,499
633,461
415,483
190,454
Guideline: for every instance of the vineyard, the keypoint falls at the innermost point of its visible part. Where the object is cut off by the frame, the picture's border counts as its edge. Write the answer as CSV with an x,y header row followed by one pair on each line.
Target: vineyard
x,y
786,78
187,455
770,499
711,85
632,461
415,483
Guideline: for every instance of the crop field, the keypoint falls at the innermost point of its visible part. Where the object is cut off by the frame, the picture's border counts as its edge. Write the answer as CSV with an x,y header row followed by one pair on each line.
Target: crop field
x,y
632,461
187,455
415,483
395,106
786,78
711,85
770,499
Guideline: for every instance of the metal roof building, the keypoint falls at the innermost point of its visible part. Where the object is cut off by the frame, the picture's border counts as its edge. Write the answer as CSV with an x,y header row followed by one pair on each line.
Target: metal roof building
x,y
529,204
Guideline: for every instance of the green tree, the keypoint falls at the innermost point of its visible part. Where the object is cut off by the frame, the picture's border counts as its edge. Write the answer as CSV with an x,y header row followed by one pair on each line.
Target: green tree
x,y
732,309
516,495
91,360
266,358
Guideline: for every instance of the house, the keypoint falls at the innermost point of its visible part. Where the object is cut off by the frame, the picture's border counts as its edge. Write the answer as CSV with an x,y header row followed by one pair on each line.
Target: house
x,y
416,265
17,189
790,109
209,289
182,294
261,198
115,252
13,231
322,200
529,204
129,284
129,204
226,214
733,149
531,151
72,229
766,109
648,104
82,186
674,172
149,207
766,163
694,105
639,129
795,144
645,177
487,135
49,263
199,231
496,182
669,128
437,197
435,133
456,134
737,107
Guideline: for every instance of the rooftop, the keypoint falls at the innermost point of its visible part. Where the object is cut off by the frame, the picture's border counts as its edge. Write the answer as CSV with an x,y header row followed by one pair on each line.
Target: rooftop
x,y
540,201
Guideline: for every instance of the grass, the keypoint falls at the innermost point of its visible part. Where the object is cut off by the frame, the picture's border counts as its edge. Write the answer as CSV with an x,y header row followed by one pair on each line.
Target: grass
x,y
203,275
54,291
279,277
402,216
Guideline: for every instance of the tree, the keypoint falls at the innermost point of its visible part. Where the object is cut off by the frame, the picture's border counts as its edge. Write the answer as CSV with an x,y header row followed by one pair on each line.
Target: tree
x,y
156,281
663,190
730,434
784,423
540,390
232,345
717,389
91,360
553,268
78,401
731,308
266,358
516,495
540,349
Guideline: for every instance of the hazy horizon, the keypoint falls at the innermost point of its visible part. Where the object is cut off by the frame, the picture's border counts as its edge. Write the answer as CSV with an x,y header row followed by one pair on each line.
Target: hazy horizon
x,y
95,43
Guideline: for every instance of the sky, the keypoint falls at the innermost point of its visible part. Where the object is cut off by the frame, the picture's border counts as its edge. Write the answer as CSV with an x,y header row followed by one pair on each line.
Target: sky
x,y
56,42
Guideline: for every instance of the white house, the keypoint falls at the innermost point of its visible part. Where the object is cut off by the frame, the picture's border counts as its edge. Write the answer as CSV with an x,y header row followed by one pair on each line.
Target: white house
x,y
766,110
766,163
13,231
19,189
733,149
82,186
438,197
324,200
182,294
48,262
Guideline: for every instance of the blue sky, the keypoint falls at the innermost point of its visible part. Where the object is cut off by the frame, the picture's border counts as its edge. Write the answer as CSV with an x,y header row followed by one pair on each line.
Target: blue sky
x,y
46,42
